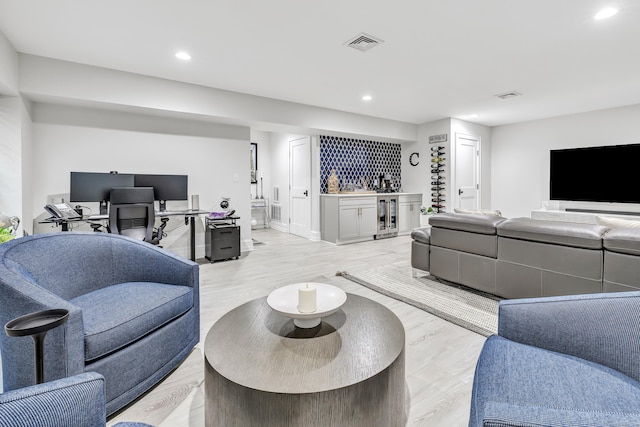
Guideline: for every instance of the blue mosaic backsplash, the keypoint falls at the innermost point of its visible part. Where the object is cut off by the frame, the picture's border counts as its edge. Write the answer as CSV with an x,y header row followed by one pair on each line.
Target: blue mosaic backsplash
x,y
355,158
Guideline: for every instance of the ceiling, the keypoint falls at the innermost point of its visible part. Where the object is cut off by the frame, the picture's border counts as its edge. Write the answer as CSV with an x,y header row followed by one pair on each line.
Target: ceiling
x,y
439,59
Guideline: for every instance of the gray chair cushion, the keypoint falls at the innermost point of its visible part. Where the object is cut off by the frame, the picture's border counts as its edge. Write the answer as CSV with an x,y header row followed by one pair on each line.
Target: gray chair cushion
x,y
118,315
549,388
422,235
555,232
622,240
481,224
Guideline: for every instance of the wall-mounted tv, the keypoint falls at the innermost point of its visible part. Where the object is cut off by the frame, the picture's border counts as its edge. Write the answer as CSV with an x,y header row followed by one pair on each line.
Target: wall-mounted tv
x,y
596,174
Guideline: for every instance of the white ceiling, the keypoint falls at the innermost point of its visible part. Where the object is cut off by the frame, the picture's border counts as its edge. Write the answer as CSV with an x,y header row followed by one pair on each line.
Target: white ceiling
x,y
446,58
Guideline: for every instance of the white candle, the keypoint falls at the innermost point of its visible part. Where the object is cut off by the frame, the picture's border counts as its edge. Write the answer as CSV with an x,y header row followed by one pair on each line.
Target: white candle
x,y
307,298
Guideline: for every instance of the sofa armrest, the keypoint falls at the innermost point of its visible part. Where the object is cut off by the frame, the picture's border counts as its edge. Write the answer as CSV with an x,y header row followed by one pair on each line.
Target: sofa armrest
x,y
499,414
602,328
74,401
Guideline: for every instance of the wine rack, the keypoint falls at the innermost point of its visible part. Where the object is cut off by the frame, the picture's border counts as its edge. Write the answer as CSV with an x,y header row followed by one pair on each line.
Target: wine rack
x,y
438,190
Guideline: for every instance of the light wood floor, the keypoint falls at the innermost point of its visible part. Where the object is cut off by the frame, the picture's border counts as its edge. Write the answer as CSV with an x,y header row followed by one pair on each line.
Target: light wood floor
x,y
440,357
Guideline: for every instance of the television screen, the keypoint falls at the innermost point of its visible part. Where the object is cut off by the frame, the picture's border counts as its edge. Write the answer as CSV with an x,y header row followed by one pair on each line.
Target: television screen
x,y
596,174
166,187
95,186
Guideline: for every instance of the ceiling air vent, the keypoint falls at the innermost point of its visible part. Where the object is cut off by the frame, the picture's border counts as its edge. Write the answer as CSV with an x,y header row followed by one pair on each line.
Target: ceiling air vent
x,y
508,95
363,42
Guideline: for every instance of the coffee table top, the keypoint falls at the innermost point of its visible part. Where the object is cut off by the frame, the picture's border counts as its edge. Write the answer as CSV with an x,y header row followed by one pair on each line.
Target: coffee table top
x,y
256,347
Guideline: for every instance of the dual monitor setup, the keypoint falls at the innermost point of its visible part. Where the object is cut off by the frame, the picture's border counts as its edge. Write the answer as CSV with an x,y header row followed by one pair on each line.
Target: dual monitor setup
x,y
96,187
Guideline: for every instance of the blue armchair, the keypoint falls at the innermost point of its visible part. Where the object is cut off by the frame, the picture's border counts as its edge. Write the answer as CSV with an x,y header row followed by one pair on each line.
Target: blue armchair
x,y
134,312
73,401
561,361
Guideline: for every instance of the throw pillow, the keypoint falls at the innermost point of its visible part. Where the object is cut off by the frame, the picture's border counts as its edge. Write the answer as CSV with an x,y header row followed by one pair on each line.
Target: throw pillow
x,y
478,211
613,222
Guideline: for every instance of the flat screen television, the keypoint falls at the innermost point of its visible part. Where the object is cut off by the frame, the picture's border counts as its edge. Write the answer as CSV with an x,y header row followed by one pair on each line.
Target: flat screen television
x,y
596,174
166,187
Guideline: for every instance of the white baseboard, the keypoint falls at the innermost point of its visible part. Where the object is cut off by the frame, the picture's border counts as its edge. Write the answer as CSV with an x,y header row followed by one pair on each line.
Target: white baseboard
x,y
247,245
280,226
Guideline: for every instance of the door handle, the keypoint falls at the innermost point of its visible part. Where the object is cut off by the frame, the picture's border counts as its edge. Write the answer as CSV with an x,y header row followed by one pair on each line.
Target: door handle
x,y
460,191
306,193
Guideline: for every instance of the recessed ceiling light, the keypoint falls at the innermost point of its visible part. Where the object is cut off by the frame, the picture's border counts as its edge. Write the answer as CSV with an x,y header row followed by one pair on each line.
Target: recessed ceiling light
x,y
606,13
183,55
367,98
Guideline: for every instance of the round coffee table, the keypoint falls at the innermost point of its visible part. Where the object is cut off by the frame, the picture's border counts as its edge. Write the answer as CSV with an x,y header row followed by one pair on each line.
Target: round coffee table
x,y
261,370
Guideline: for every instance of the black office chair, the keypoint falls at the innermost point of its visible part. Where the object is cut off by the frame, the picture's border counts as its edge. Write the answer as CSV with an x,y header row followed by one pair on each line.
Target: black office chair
x,y
132,214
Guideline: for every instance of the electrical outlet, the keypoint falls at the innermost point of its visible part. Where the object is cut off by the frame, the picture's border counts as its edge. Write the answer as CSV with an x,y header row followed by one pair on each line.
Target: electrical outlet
x,y
236,177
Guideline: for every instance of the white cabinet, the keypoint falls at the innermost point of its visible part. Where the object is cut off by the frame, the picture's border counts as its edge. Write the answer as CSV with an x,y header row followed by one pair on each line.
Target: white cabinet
x,y
354,218
409,212
348,219
357,219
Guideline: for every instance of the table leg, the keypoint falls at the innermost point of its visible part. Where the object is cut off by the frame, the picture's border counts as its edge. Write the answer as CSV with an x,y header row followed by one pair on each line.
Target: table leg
x,y
193,238
38,340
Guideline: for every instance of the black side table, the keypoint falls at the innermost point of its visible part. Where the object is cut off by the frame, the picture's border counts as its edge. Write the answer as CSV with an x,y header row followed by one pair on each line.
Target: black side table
x,y
36,325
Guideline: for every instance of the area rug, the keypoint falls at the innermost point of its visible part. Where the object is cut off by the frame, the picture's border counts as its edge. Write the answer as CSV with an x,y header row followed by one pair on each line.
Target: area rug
x,y
465,307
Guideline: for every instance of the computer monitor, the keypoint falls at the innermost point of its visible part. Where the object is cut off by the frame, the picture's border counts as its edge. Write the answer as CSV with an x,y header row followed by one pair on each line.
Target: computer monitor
x,y
96,186
166,187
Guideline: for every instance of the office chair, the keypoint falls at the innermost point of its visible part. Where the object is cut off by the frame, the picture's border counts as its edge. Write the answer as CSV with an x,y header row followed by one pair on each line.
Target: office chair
x,y
132,214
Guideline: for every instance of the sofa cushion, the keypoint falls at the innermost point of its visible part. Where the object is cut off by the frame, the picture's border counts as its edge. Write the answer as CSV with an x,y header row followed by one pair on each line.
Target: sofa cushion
x,y
622,240
579,235
516,374
613,222
120,314
478,211
482,224
422,235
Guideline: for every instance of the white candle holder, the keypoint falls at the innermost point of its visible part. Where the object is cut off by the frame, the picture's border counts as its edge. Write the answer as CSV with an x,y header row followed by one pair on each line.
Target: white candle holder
x,y
285,302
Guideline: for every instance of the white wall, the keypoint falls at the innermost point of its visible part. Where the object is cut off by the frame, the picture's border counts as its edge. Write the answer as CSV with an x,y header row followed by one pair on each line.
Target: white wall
x,y
72,139
263,139
28,172
520,153
279,154
10,157
9,68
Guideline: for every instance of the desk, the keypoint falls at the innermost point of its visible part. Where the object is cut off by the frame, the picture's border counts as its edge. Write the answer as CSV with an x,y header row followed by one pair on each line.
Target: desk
x,y
189,218
64,222
260,370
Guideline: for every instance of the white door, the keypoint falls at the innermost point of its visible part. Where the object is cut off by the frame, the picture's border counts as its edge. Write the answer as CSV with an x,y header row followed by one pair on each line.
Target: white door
x,y
300,175
467,185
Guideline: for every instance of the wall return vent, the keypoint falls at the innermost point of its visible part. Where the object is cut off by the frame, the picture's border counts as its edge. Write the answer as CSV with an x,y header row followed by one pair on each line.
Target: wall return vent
x,y
363,42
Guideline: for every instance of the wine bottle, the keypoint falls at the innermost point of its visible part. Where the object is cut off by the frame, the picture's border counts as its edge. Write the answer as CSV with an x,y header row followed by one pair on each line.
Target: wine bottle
x,y
437,148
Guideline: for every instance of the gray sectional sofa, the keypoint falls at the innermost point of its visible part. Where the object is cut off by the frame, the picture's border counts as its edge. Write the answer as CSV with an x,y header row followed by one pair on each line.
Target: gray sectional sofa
x,y
523,257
